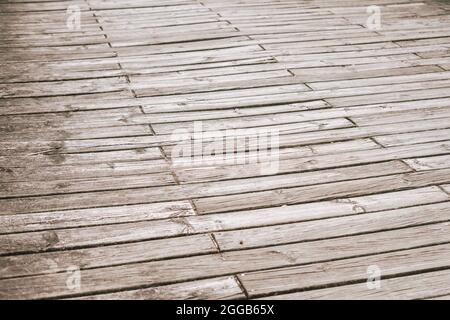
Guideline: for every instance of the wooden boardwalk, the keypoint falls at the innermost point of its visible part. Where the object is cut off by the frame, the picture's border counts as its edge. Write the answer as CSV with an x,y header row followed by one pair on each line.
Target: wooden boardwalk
x,y
93,206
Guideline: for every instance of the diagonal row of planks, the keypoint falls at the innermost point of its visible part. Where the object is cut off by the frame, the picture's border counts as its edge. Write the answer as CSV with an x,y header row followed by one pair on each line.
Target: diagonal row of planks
x,y
91,92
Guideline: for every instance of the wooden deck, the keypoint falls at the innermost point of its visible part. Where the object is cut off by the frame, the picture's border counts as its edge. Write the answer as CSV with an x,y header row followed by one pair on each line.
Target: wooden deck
x,y
92,205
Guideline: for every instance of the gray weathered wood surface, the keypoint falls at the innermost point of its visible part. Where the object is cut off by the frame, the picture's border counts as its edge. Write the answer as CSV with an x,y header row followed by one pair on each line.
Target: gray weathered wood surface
x,y
88,180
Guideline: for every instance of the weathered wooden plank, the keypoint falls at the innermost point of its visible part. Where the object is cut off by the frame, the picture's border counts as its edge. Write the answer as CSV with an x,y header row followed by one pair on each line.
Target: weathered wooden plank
x,y
293,54
82,171
98,216
209,86
282,124
44,89
188,191
236,41
181,216
279,234
207,75
107,102
254,156
317,110
242,156
87,122
170,32
63,239
209,289
429,163
297,31
345,271
443,297
112,10
378,81
233,95
432,41
376,38
389,97
102,256
46,6
58,159
75,134
175,38
289,135
338,97
214,172
347,73
61,70
318,49
34,188
223,115
182,222
209,64
413,137
71,120
191,268
398,117
413,287
319,73
84,40
40,56
68,103
288,196
333,227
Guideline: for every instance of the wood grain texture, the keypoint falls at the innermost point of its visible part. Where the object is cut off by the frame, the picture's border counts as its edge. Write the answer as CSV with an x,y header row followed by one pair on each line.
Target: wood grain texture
x,y
209,189
320,192
91,179
404,288
103,256
429,163
99,216
210,289
334,227
190,268
339,272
